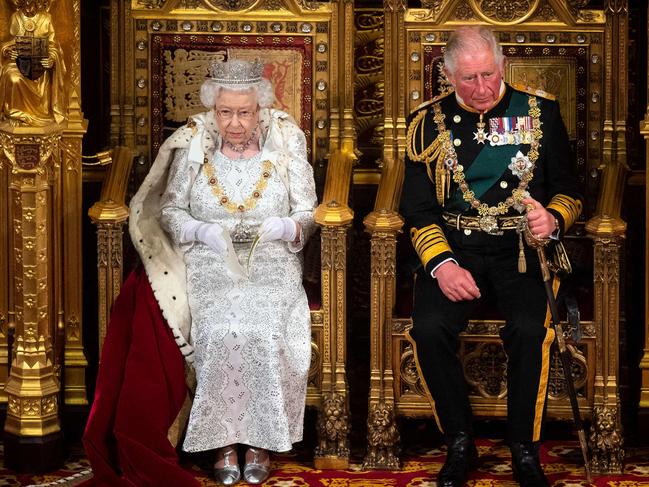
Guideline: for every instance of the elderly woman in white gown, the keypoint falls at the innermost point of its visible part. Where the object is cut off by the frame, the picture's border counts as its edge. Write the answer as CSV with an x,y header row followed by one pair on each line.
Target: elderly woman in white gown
x,y
236,172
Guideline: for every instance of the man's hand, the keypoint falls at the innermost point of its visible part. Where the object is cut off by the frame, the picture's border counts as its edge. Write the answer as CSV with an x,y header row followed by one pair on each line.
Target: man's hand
x,y
456,283
540,221
47,62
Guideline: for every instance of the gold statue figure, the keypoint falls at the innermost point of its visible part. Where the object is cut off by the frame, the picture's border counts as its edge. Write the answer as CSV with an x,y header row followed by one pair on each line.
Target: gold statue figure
x,y
32,69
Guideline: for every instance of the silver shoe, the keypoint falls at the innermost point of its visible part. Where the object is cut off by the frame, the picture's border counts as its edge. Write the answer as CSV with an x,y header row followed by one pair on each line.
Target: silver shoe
x,y
254,472
229,474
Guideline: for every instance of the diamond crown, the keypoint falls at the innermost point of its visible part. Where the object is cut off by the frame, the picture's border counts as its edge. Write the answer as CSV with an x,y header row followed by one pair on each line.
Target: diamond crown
x,y
236,72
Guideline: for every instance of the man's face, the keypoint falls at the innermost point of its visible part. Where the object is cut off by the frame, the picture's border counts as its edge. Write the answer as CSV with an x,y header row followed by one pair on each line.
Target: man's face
x,y
476,78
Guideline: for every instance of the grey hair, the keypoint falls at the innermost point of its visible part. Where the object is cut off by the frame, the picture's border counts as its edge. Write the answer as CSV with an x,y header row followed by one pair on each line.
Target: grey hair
x,y
467,39
211,89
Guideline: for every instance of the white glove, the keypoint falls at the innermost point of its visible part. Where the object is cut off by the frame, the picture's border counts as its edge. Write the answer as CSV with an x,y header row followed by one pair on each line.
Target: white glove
x,y
211,234
276,228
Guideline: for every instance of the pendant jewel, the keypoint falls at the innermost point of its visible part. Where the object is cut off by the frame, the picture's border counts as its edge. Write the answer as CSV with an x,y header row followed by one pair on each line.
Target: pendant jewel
x,y
480,135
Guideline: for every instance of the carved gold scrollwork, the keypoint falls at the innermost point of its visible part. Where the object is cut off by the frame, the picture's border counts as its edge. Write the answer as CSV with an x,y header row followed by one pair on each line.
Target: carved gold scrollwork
x,y
605,441
333,426
189,4
232,5
409,374
152,4
505,11
116,233
310,5
316,364
434,5
326,243
383,255
370,21
575,4
464,12
483,328
486,369
382,438
340,250
545,13
557,380
102,246
369,57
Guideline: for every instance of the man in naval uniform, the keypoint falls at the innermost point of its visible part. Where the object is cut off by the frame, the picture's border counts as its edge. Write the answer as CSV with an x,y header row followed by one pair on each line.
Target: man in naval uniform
x,y
479,161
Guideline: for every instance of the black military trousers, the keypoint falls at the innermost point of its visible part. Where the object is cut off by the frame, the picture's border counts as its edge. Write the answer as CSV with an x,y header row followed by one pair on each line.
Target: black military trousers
x,y
522,300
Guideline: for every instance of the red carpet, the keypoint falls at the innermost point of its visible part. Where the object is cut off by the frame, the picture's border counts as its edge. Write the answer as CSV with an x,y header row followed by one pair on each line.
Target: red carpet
x,y
561,461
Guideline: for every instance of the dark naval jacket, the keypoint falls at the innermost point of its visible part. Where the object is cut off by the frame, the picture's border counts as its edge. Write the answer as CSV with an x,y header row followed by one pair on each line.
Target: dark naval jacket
x,y
449,172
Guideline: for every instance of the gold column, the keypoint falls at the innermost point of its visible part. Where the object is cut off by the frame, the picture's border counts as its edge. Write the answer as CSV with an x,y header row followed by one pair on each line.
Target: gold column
x,y
608,231
32,387
69,218
40,138
644,363
69,260
5,283
382,434
335,218
384,223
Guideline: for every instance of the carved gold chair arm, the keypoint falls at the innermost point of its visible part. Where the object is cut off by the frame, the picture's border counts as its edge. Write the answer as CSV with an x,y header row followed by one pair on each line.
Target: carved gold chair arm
x,y
109,214
111,207
334,210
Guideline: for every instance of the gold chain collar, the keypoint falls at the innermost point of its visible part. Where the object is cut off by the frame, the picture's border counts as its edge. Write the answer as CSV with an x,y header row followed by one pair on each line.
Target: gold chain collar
x,y
251,201
487,214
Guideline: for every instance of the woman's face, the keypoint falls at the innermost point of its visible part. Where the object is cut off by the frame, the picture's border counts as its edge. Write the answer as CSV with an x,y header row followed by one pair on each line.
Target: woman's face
x,y
237,115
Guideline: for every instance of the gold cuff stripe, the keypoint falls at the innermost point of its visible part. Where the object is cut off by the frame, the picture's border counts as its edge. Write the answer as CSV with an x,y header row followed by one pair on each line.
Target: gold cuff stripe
x,y
427,233
569,208
429,242
423,381
545,368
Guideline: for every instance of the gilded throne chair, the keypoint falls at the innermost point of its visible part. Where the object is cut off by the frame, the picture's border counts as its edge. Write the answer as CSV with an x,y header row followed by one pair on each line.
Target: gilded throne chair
x,y
169,46
571,52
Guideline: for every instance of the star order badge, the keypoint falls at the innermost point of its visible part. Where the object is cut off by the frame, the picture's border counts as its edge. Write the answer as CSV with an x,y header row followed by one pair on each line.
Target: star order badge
x,y
520,164
480,135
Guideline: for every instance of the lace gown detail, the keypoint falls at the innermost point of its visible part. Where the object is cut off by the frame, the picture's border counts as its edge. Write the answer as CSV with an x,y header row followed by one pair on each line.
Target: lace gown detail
x,y
251,337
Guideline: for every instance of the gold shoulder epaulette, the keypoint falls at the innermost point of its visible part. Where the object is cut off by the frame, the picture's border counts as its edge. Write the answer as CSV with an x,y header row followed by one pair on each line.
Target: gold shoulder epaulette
x,y
428,103
533,91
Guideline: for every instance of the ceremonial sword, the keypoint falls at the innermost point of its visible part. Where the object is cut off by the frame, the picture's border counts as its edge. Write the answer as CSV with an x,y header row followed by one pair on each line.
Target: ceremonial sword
x,y
564,353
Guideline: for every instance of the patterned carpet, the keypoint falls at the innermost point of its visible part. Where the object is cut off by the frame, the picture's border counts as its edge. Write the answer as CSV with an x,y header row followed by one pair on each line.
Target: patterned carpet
x,y
561,461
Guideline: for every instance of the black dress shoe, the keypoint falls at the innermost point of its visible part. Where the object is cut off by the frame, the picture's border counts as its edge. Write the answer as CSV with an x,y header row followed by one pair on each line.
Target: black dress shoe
x,y
461,458
526,465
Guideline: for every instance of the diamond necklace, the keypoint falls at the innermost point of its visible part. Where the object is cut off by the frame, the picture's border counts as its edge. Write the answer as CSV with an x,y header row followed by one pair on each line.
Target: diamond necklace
x,y
240,148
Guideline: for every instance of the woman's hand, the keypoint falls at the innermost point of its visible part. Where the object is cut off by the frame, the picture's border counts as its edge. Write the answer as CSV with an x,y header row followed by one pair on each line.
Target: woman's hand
x,y
276,228
211,234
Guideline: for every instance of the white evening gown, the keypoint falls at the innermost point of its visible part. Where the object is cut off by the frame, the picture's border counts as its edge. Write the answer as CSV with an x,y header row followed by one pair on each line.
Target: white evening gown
x,y
251,337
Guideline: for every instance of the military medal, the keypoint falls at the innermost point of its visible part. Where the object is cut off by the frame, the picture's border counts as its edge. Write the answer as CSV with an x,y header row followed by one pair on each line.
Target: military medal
x,y
480,135
523,165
